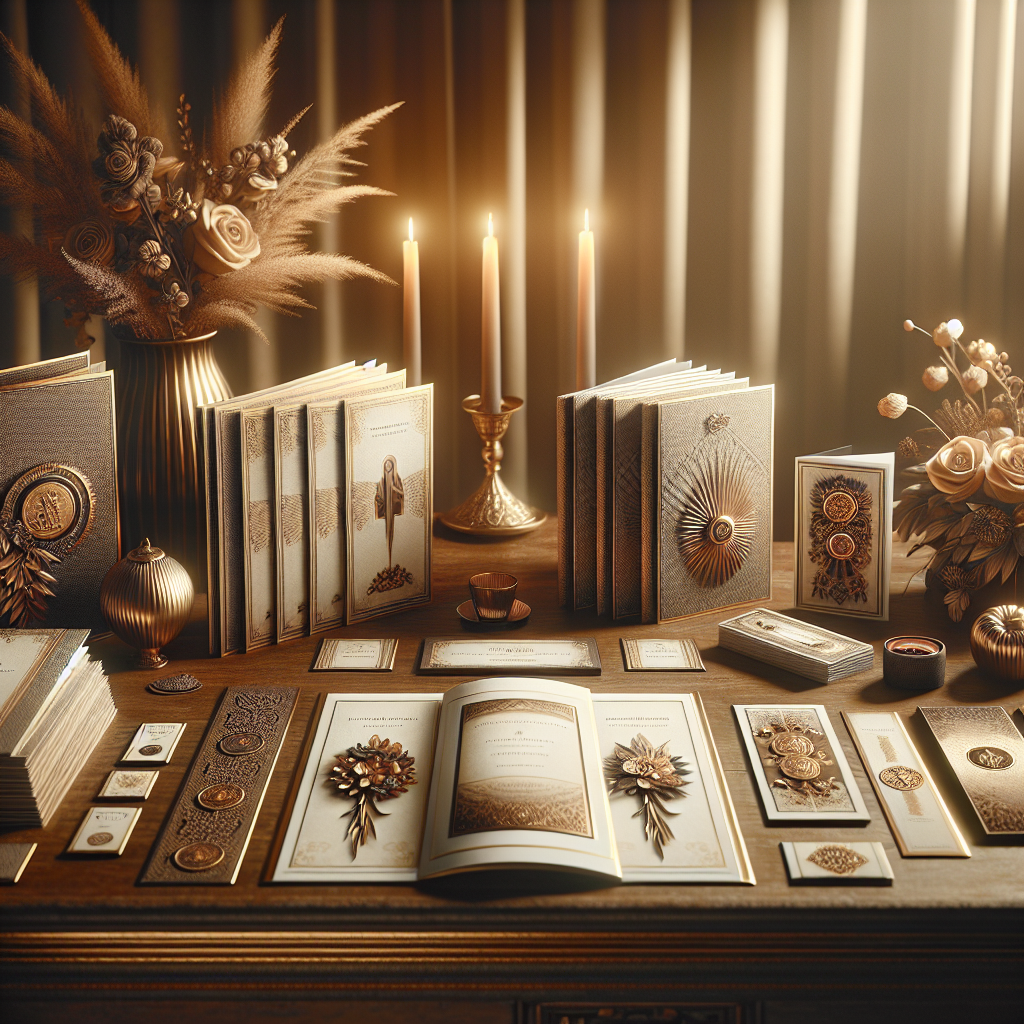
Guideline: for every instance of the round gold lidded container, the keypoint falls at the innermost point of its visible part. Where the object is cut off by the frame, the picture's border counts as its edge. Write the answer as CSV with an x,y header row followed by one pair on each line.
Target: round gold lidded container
x,y
146,599
997,641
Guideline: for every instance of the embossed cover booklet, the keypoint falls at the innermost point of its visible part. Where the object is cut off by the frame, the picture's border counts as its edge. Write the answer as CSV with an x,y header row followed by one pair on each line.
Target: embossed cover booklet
x,y
511,773
843,533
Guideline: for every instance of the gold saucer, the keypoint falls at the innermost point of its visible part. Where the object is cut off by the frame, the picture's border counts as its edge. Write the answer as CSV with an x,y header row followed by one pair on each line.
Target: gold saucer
x,y
516,617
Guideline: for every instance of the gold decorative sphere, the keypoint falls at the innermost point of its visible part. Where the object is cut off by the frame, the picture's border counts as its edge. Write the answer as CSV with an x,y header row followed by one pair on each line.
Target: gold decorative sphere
x,y
997,641
146,599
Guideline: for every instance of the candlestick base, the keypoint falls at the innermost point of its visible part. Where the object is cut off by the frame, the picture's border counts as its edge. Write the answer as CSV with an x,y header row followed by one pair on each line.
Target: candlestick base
x,y
492,510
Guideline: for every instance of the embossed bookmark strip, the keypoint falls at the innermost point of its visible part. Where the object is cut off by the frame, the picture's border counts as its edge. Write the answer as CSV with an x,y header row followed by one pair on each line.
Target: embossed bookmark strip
x,y
986,754
205,836
920,822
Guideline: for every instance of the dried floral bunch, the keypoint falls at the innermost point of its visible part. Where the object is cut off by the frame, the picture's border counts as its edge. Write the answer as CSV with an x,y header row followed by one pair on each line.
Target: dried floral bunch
x,y
967,498
366,773
654,775
166,246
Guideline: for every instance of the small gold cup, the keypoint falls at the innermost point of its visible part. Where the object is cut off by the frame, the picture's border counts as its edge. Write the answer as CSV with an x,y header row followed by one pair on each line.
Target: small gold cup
x,y
493,595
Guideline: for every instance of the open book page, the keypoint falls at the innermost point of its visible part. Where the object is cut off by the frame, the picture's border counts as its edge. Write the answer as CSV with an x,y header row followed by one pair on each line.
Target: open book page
x,y
317,846
700,839
517,781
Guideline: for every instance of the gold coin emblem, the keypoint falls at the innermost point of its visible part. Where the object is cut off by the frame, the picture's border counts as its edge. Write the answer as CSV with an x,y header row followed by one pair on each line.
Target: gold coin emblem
x,y
49,510
791,743
902,778
721,529
150,749
839,506
800,766
241,743
220,796
198,856
995,759
841,546
100,838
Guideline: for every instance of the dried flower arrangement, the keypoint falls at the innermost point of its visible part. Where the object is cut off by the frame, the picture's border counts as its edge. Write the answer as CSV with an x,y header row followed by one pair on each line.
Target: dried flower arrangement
x,y
653,775
166,246
967,500
366,773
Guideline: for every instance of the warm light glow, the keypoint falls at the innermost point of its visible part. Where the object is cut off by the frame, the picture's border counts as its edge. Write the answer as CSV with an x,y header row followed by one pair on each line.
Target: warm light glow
x,y
410,229
490,225
586,220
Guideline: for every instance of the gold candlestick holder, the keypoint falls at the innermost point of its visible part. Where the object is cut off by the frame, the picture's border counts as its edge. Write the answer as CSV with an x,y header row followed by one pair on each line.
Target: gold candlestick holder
x,y
492,510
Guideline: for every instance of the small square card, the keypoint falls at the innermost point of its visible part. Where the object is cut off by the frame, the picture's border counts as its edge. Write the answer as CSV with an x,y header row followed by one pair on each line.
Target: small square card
x,y
154,743
843,533
14,858
356,656
837,863
122,785
647,655
105,830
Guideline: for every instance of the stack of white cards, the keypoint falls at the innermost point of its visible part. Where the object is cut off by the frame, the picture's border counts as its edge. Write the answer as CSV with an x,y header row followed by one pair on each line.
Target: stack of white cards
x,y
798,647
56,706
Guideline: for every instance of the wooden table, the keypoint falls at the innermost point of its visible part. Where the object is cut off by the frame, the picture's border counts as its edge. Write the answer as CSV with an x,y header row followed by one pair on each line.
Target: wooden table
x,y
947,936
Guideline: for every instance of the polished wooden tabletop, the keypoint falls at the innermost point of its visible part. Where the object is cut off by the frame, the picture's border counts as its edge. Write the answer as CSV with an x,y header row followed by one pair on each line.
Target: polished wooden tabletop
x,y
68,910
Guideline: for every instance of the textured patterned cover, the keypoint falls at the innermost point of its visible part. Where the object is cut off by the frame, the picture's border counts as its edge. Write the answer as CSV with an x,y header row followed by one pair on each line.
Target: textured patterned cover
x,y
620,437
45,370
69,422
685,455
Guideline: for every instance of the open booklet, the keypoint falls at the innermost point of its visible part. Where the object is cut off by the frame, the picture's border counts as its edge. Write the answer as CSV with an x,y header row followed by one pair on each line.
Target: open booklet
x,y
511,773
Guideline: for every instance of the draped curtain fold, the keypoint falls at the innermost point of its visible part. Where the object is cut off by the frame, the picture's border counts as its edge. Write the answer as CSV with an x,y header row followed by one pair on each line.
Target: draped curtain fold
x,y
774,186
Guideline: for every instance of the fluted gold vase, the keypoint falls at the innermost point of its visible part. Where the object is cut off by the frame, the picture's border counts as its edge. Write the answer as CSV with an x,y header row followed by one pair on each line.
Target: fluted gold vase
x,y
159,387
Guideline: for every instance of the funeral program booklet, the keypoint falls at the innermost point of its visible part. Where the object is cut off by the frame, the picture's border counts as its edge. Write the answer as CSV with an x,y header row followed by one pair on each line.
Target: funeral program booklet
x,y
511,772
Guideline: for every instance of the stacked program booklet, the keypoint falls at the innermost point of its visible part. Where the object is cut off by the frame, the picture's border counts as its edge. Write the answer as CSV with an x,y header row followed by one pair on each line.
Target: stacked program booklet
x,y
798,647
56,706
665,493
319,503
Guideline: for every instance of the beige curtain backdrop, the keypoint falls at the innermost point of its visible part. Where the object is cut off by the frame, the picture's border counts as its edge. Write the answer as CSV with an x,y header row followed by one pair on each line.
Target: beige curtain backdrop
x,y
774,185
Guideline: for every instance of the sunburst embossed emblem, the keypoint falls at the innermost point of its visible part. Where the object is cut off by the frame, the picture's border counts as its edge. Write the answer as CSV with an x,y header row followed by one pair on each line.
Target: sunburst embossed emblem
x,y
717,506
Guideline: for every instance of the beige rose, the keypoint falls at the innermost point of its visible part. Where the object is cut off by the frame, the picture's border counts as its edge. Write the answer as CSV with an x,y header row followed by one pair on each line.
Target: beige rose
x,y
1004,474
92,240
222,239
958,467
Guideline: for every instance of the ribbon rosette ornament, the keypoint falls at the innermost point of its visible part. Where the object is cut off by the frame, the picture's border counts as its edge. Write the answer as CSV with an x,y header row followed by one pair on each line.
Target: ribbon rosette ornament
x,y
654,775
367,773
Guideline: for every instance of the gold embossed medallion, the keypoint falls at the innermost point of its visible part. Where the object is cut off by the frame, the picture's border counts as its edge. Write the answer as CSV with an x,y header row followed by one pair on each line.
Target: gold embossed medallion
x,y
994,759
240,743
198,856
45,513
900,777
800,766
150,749
791,743
100,838
840,536
837,859
220,796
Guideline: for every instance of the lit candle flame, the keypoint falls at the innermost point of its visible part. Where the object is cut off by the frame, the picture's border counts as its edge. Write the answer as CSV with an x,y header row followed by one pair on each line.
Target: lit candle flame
x,y
586,220
410,229
490,225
